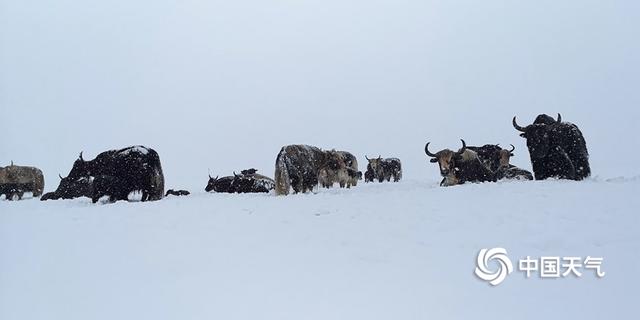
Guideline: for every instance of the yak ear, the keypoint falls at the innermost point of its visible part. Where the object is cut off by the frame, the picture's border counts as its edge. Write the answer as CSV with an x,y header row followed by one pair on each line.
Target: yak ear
x,y
433,160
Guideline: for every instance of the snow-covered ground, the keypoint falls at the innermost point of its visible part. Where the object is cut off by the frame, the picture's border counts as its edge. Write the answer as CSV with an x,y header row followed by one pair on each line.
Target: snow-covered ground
x,y
378,251
217,86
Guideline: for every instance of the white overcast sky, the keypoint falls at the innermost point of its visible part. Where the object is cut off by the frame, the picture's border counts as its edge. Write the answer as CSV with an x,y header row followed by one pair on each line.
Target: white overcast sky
x,y
222,85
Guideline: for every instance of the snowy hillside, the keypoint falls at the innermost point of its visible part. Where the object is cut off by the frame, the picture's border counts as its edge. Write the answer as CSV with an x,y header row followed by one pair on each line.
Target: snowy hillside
x,y
380,251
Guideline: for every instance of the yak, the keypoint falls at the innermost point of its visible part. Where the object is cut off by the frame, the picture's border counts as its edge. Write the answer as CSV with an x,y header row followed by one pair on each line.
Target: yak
x,y
506,170
177,193
384,169
27,179
298,167
220,184
135,168
369,175
557,149
248,181
344,172
351,164
458,167
489,154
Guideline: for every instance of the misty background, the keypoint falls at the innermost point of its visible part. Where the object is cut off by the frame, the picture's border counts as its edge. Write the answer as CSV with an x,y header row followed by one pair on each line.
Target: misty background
x,y
223,85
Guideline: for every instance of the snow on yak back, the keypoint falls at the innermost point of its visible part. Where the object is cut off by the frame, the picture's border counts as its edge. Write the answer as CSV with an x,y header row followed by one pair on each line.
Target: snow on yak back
x,y
458,167
26,179
130,169
298,166
557,149
249,181
489,154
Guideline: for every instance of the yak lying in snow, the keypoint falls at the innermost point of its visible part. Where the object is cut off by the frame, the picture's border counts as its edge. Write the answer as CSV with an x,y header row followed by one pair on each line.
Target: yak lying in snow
x,y
557,149
248,181
22,179
177,193
384,169
121,171
508,171
458,167
497,159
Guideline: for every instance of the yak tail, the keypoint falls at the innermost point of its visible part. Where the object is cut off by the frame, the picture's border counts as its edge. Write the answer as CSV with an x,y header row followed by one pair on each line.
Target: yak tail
x,y
283,182
39,185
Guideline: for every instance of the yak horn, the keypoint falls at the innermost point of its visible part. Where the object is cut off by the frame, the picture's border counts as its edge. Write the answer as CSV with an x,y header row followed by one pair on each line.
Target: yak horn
x,y
463,149
426,150
367,158
559,118
59,175
512,148
515,125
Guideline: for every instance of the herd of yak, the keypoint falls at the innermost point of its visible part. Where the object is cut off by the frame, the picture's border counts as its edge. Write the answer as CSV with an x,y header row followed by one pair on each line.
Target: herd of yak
x,y
557,150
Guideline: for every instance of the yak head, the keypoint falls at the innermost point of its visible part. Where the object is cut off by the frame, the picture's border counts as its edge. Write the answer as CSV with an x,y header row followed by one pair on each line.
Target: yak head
x,y
504,156
80,168
376,165
537,134
70,188
211,184
446,158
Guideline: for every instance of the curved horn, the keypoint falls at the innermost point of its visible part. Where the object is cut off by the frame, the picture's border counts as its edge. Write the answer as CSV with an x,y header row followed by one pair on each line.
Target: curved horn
x,y
512,148
426,150
379,157
80,157
367,158
59,175
210,177
515,125
234,174
463,149
559,118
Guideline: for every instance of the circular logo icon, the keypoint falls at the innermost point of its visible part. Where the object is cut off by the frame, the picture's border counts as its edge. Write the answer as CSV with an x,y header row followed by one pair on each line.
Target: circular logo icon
x,y
494,277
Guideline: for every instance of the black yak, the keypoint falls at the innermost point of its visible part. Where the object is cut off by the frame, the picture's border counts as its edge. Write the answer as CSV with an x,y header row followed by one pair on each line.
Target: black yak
x,y
557,149
131,169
